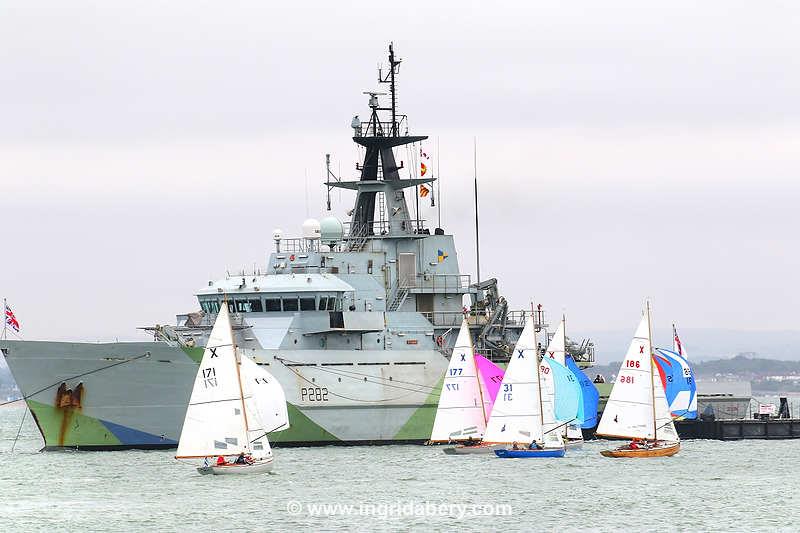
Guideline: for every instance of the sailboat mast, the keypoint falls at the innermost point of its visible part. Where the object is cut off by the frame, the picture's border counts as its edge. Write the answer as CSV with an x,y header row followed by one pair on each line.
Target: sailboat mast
x,y
538,372
652,370
478,378
239,378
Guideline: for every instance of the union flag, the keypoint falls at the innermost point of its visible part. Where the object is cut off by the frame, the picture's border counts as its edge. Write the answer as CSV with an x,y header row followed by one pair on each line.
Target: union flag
x,y
11,320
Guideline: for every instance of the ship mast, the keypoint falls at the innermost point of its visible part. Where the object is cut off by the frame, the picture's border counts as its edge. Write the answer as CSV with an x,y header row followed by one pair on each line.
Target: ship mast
x,y
379,170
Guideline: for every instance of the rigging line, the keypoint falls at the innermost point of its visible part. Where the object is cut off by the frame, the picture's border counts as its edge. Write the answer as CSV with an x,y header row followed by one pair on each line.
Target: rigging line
x,y
268,432
60,381
350,398
560,426
24,414
341,372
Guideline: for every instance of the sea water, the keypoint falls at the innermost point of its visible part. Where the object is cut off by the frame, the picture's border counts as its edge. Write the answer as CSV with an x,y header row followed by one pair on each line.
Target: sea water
x,y
709,485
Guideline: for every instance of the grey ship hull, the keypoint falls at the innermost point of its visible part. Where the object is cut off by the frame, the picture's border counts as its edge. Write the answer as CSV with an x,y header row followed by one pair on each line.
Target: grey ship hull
x,y
134,395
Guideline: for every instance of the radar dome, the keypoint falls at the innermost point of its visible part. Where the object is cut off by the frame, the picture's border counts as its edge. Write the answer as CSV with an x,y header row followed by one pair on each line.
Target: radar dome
x,y
311,229
331,230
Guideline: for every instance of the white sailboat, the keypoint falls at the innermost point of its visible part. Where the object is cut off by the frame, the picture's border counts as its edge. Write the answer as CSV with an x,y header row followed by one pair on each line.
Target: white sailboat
x,y
637,407
461,413
522,416
234,404
557,350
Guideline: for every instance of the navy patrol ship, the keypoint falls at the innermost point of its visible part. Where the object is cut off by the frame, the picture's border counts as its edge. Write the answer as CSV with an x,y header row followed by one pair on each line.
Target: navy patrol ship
x,y
356,320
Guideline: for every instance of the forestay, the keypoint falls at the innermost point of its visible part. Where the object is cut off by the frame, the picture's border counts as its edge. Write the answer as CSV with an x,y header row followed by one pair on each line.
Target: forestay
x,y
214,422
460,413
637,407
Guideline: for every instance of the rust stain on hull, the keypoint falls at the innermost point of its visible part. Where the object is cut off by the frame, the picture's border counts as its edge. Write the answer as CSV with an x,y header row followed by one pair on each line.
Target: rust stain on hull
x,y
68,401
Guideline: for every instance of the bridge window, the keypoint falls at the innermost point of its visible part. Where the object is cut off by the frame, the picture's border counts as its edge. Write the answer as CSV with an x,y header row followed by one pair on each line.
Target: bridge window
x,y
323,302
272,304
290,304
307,304
210,306
248,306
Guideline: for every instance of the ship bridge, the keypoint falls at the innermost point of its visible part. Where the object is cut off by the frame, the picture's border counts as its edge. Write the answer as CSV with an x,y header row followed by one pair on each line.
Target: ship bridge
x,y
276,293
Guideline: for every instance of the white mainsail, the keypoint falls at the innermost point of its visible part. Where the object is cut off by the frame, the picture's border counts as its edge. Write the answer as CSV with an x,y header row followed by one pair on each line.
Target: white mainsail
x,y
519,410
637,407
215,422
460,413
558,344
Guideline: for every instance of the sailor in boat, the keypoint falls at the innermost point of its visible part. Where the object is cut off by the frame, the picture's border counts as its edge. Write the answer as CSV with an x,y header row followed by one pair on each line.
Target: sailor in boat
x,y
221,461
471,442
243,459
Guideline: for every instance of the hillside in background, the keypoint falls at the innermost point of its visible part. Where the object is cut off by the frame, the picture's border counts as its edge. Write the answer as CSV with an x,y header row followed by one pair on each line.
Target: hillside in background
x,y
765,375
701,344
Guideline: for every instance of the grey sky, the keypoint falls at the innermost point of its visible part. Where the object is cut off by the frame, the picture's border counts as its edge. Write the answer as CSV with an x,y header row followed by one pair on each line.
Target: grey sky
x,y
624,150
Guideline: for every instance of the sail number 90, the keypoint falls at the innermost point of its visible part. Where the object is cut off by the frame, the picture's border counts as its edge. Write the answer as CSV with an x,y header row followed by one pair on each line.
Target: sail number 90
x,y
314,394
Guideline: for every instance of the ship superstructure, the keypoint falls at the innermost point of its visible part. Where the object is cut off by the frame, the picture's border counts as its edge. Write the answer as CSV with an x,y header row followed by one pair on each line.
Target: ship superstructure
x,y
355,319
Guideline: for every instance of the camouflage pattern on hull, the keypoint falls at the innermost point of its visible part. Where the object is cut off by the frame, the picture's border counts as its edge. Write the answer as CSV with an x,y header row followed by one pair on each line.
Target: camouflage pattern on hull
x,y
134,395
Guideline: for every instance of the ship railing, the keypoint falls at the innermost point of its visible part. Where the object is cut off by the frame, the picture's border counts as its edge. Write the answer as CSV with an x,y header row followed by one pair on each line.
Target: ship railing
x,y
439,282
380,228
382,128
480,318
299,245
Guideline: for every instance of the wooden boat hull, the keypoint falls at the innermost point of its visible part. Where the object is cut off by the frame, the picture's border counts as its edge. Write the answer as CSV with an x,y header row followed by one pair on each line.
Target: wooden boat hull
x,y
478,449
547,452
258,467
657,451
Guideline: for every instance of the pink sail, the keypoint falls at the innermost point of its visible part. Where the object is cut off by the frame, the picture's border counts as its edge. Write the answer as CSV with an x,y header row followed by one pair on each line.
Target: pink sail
x,y
491,376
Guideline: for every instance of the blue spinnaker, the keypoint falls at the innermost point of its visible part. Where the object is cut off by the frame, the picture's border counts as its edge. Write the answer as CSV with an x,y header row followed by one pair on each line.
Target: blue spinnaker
x,y
567,404
679,384
590,395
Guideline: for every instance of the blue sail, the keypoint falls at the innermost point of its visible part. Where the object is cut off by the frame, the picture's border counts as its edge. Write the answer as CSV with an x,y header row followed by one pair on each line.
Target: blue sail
x,y
567,403
590,395
679,383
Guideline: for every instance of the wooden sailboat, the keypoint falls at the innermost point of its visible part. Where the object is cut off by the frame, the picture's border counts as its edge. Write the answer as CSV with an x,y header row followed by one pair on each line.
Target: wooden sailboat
x,y
234,404
637,408
556,350
521,414
461,413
